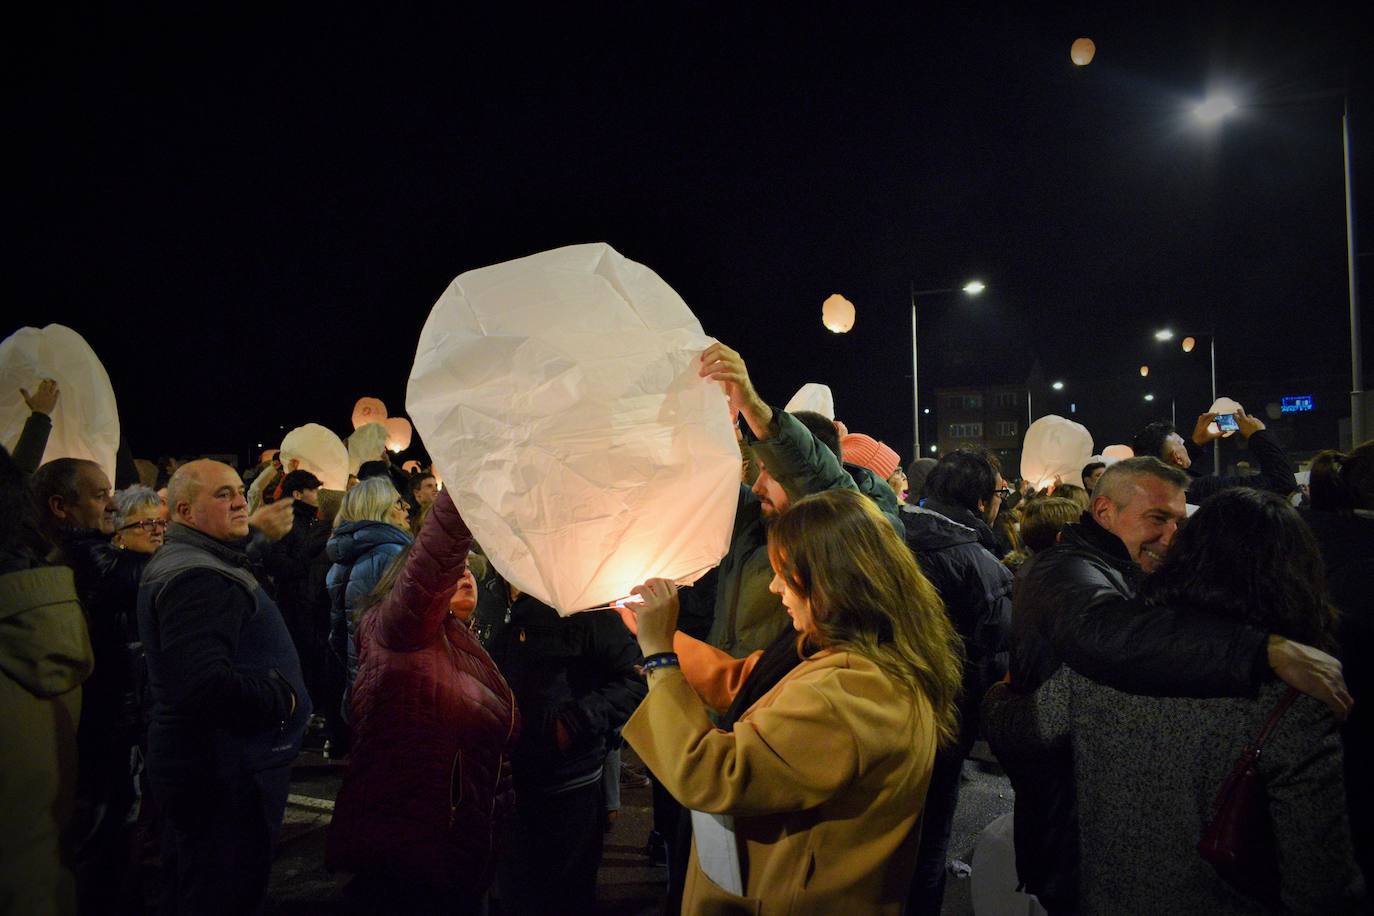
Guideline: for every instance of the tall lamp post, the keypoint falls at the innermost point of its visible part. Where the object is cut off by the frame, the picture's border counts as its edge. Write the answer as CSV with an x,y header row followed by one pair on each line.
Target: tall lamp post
x,y
1188,343
1213,109
971,288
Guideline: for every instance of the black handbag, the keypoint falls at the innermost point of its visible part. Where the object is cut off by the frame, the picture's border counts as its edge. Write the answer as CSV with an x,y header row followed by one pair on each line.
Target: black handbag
x,y
1239,839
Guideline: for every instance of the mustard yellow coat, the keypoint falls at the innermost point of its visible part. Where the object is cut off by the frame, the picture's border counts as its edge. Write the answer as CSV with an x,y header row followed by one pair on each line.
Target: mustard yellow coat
x,y
825,776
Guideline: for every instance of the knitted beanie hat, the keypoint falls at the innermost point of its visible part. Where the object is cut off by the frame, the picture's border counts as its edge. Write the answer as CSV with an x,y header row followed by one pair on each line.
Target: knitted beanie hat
x,y
868,452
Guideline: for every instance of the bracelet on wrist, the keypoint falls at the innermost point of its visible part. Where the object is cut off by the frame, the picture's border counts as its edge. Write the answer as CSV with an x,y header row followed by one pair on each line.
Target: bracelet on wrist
x,y
660,660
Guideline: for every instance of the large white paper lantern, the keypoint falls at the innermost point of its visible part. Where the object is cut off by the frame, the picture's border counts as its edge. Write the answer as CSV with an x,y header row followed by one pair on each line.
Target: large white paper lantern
x,y
368,410
368,443
559,396
85,423
1054,447
397,433
1114,453
815,397
837,313
316,449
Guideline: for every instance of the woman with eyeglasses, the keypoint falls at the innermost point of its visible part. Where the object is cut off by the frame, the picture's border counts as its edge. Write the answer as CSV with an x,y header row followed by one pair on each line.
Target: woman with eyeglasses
x,y
371,530
140,521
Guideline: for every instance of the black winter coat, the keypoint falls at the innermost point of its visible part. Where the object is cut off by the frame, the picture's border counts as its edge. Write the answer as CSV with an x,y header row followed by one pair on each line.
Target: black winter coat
x,y
1275,470
577,671
975,587
1074,605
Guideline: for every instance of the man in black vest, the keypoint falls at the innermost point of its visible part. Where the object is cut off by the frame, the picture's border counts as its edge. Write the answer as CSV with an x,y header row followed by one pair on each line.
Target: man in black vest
x,y
228,704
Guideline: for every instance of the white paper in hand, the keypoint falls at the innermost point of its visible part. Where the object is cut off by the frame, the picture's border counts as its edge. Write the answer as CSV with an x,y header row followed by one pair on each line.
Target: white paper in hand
x,y
318,450
559,398
1055,447
85,423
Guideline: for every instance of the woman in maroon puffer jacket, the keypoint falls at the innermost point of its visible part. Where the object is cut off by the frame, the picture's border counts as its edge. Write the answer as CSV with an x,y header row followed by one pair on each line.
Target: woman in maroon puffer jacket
x,y
434,724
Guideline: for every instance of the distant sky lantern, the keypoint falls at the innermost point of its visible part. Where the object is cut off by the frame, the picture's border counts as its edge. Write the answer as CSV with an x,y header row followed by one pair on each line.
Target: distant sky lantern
x,y
397,433
1082,51
1188,344
1144,371
368,410
837,313
560,395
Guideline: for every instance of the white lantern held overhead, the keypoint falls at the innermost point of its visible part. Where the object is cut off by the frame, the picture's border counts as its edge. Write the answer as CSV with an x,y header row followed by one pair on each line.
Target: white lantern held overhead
x,y
837,313
85,423
1055,447
316,449
368,443
1114,453
815,397
560,397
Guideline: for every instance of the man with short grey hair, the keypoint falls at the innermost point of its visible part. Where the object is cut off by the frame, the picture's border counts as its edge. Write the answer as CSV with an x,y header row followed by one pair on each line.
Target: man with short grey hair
x,y
229,706
1073,606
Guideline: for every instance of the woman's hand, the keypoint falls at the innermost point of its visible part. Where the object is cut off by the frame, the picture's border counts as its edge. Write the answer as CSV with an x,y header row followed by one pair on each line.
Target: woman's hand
x,y
656,618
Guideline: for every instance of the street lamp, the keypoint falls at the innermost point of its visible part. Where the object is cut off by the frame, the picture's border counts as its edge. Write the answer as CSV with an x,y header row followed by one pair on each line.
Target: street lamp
x,y
1210,111
1058,386
971,288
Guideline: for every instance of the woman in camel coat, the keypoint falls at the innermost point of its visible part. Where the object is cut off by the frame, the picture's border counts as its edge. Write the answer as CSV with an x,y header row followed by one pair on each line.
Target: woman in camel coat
x,y
822,780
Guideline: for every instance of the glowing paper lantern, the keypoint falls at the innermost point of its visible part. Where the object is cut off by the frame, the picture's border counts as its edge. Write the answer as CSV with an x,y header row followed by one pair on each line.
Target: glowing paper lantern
x,y
368,410
1054,447
317,450
1144,371
397,433
1188,344
837,313
1082,52
368,443
85,423
559,396
1114,453
411,467
815,397
266,455
1223,405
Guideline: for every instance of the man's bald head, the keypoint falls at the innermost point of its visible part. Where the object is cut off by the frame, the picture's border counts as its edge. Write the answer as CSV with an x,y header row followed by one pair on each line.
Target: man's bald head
x,y
208,495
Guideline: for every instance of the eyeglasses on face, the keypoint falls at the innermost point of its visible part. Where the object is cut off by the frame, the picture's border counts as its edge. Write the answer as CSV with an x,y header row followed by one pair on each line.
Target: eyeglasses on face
x,y
1003,492
148,524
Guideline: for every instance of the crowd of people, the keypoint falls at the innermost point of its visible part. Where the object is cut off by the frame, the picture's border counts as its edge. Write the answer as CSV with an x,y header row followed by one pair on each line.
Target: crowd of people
x,y
172,640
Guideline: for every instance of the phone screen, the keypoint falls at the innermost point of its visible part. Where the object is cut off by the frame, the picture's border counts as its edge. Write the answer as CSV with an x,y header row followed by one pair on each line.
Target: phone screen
x,y
1226,422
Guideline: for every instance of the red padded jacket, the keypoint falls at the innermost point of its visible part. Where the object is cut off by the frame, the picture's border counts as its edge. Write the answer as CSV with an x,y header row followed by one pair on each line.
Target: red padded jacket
x,y
434,724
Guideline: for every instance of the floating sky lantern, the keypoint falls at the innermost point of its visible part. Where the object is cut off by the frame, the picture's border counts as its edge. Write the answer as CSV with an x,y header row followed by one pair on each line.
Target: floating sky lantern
x,y
397,434
559,395
837,313
1144,371
368,410
1188,344
1054,447
316,449
1082,51
86,422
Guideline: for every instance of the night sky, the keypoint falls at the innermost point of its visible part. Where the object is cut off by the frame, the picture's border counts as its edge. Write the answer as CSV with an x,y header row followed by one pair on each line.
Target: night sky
x,y
249,215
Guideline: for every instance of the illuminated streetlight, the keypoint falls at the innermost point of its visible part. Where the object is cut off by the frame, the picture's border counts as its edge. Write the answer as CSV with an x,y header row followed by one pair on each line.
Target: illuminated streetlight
x,y
932,449
1164,334
971,288
1058,386
1214,108
1149,397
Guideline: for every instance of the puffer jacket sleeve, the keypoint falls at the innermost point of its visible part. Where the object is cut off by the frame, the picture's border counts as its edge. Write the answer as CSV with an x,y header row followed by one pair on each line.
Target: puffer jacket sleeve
x,y
411,615
797,460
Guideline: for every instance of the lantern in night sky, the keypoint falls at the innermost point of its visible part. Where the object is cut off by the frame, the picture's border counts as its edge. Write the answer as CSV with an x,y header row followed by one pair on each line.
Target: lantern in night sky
x,y
837,313
1082,51
397,433
368,410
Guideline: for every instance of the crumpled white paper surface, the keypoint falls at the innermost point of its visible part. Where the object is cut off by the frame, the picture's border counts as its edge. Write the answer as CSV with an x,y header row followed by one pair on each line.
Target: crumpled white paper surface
x,y
368,443
85,423
1055,447
559,398
320,452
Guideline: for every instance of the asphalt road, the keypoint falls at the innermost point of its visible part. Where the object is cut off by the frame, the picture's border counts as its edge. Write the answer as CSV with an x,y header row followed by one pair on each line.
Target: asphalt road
x,y
628,884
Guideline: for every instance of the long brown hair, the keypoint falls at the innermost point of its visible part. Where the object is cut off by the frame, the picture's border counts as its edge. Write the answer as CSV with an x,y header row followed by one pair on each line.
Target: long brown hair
x,y
869,597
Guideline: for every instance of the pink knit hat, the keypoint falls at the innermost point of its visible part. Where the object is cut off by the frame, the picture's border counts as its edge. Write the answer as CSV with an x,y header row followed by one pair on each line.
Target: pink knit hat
x,y
868,452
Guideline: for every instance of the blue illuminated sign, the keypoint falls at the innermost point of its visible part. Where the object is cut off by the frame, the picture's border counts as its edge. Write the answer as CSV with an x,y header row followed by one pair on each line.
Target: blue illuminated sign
x,y
1297,403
